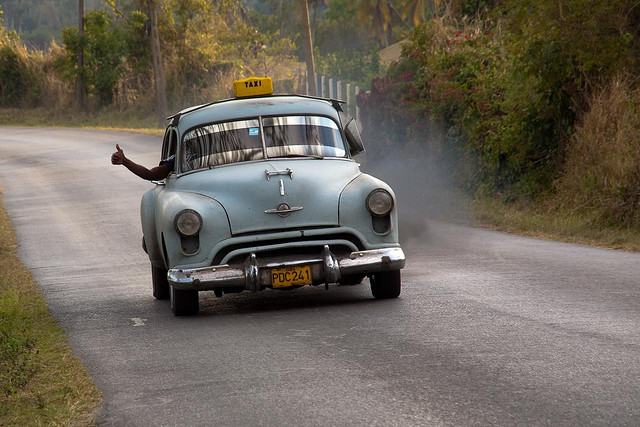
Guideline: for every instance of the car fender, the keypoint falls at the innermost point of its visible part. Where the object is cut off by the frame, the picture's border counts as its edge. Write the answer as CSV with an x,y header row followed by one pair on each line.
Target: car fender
x,y
147,218
215,225
353,211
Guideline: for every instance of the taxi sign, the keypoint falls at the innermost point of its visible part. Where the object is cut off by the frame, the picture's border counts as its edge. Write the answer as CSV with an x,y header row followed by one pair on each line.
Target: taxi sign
x,y
252,86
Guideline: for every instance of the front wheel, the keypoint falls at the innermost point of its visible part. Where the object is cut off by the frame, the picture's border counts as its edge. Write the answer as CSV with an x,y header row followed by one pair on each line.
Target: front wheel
x,y
386,284
160,282
183,302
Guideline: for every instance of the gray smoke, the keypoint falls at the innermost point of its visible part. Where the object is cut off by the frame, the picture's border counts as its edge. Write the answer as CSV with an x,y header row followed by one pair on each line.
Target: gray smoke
x,y
423,186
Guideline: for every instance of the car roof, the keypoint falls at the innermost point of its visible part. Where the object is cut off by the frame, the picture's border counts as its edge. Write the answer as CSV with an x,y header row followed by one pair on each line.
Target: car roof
x,y
239,108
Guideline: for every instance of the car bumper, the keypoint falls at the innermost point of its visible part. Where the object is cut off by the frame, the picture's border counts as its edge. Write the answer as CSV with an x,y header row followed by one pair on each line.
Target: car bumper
x,y
254,276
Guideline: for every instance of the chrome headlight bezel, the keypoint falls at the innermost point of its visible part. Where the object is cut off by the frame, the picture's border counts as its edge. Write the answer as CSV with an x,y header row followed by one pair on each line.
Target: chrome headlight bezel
x,y
373,205
185,228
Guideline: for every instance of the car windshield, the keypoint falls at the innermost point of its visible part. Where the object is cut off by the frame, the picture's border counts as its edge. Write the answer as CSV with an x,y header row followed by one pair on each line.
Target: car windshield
x,y
241,141
222,143
293,136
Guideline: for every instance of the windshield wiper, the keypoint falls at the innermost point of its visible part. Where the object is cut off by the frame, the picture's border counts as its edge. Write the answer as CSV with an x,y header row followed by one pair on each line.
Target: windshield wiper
x,y
312,156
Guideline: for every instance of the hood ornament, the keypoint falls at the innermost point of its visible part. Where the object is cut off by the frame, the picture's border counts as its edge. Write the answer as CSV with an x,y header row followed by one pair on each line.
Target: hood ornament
x,y
283,210
269,173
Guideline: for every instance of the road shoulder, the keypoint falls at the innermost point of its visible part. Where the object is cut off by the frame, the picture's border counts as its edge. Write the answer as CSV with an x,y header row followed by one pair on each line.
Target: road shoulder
x,y
41,381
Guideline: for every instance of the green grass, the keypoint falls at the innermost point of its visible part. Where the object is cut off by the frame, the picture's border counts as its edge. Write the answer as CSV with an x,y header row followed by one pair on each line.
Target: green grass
x,y
539,220
41,382
135,121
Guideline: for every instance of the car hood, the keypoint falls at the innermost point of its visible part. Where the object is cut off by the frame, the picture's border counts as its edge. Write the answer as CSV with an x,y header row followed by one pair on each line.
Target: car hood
x,y
246,193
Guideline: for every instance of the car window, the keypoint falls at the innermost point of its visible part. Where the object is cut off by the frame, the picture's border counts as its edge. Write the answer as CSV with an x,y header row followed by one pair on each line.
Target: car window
x,y
172,143
165,144
222,143
302,136
169,143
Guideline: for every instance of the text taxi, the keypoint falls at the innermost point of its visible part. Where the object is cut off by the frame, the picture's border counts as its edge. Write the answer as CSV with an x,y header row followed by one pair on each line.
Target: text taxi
x,y
266,194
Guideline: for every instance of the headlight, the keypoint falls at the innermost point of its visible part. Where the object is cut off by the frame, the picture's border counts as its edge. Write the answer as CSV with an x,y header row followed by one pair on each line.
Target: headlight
x,y
379,202
188,222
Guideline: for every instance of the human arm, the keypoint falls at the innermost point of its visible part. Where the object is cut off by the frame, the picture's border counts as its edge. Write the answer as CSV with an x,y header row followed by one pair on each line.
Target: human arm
x,y
153,174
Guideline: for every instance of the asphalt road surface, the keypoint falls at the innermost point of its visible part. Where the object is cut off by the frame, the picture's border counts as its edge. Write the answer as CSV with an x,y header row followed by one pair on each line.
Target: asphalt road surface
x,y
490,328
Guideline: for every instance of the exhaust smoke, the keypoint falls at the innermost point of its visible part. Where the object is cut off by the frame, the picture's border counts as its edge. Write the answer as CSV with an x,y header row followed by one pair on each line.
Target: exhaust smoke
x,y
423,184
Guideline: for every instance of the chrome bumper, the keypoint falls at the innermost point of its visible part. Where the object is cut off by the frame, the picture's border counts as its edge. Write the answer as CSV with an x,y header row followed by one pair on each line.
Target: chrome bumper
x,y
254,276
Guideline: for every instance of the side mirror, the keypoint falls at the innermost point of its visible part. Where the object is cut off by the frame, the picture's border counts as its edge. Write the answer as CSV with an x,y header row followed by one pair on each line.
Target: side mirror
x,y
356,146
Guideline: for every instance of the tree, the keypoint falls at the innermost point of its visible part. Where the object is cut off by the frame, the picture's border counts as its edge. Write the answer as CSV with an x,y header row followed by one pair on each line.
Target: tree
x,y
79,82
311,67
158,70
378,14
103,49
414,10
316,4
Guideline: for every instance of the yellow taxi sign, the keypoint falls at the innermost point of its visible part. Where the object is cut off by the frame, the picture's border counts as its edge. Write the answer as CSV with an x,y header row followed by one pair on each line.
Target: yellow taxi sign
x,y
252,86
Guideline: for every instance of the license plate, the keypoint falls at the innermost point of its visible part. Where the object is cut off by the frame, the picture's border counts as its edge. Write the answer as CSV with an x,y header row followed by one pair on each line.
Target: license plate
x,y
291,276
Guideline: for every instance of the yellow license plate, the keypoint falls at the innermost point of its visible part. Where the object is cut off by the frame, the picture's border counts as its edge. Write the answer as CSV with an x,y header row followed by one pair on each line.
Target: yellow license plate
x,y
291,276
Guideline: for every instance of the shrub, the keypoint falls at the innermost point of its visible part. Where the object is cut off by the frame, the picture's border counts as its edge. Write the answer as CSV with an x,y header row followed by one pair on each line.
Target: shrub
x,y
13,76
602,174
507,91
27,78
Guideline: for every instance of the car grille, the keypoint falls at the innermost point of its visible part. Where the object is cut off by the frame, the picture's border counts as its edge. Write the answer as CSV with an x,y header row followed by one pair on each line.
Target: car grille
x,y
305,245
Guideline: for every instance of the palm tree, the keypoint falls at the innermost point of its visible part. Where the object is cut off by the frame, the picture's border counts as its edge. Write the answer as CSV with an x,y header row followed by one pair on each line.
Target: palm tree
x,y
414,9
376,13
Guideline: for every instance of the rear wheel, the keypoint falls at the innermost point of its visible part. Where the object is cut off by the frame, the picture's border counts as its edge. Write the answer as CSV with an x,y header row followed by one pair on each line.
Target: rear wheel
x,y
386,284
183,303
160,282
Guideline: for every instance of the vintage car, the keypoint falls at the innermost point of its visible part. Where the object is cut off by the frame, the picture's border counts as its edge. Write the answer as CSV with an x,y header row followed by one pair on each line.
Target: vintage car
x,y
266,194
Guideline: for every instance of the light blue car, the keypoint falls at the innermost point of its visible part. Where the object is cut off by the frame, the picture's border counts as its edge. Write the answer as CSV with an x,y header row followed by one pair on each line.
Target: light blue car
x,y
266,194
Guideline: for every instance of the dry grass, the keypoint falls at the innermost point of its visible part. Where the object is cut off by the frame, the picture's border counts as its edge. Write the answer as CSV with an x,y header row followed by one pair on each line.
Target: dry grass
x,y
597,199
134,121
30,77
536,220
601,181
41,382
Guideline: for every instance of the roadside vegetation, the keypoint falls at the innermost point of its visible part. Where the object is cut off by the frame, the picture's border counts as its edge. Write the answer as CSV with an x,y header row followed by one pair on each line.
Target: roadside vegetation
x,y
41,382
535,104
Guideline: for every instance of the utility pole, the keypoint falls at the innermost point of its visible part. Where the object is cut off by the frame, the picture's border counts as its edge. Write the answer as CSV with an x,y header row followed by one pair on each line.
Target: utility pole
x,y
79,80
308,45
158,71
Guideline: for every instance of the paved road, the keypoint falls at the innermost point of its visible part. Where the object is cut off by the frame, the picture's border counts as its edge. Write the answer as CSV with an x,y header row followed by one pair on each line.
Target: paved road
x,y
490,328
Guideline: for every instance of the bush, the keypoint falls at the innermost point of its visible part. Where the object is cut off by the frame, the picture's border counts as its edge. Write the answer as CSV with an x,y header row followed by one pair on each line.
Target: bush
x,y
507,91
602,174
14,76
28,79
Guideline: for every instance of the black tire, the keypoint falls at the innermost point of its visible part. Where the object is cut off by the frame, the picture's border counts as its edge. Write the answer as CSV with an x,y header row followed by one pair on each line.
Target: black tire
x,y
183,303
160,282
386,284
